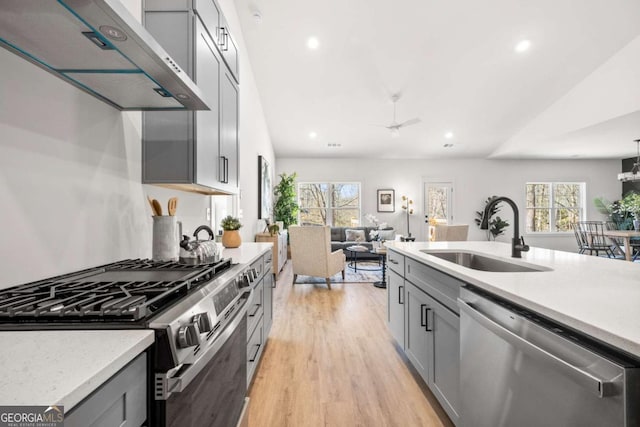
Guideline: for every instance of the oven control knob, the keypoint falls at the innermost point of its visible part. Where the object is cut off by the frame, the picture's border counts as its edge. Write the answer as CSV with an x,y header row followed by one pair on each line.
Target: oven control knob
x,y
203,321
188,335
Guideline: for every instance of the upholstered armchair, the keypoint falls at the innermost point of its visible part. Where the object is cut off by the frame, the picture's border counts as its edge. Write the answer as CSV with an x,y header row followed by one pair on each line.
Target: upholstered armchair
x,y
311,253
450,233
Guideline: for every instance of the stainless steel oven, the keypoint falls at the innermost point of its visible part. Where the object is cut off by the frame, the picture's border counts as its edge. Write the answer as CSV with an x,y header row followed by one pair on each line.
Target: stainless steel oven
x,y
198,363
212,391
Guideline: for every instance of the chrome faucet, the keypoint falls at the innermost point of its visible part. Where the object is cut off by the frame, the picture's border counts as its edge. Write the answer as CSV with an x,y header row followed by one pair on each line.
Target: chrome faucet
x,y
517,243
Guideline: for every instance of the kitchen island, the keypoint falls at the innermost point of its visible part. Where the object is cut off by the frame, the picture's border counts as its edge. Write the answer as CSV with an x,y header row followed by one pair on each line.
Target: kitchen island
x,y
599,297
501,340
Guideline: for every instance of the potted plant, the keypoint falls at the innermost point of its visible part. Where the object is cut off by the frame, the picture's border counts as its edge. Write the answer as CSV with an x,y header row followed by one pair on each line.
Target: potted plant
x,y
231,236
631,204
497,225
285,208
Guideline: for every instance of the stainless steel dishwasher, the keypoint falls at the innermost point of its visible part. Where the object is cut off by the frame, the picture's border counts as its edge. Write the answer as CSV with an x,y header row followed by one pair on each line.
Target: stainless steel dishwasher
x,y
519,369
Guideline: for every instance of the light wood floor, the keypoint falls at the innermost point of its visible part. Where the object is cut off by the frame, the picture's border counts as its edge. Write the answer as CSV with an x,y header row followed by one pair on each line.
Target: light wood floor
x,y
330,361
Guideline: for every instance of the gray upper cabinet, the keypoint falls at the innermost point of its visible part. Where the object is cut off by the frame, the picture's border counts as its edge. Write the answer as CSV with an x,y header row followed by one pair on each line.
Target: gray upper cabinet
x,y
228,48
229,132
192,151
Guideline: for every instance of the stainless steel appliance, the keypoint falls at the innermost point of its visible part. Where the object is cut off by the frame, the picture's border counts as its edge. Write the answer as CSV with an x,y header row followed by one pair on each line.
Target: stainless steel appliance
x,y
198,313
99,47
519,369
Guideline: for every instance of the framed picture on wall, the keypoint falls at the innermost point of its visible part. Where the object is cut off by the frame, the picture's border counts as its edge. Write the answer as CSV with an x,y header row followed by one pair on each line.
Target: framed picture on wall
x,y
386,201
265,201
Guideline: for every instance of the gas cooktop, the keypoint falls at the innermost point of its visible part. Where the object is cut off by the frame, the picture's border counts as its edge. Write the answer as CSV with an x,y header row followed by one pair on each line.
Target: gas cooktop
x,y
127,291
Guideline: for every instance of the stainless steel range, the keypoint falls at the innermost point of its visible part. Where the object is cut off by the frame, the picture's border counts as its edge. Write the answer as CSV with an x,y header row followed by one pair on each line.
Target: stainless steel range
x,y
198,314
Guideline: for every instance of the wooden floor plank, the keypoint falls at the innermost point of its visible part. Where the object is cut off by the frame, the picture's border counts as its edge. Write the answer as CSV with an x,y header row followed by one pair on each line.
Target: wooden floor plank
x,y
330,361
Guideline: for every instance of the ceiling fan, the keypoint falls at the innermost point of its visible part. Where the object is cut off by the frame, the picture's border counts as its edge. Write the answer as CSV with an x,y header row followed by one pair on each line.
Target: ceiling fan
x,y
394,127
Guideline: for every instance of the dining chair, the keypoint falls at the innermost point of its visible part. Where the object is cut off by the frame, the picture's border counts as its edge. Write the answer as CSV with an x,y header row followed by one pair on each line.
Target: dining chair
x,y
580,238
593,233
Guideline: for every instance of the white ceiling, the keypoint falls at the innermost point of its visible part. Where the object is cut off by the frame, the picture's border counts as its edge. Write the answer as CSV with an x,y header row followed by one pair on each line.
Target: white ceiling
x,y
455,66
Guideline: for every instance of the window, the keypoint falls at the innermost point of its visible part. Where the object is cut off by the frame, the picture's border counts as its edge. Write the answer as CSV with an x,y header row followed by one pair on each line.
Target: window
x,y
336,204
553,206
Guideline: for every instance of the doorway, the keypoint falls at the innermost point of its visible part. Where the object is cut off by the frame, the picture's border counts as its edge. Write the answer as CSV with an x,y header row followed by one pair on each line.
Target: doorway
x,y
438,204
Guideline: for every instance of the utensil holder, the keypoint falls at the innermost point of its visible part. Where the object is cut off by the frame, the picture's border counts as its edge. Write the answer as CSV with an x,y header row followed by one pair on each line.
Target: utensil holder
x,y
166,238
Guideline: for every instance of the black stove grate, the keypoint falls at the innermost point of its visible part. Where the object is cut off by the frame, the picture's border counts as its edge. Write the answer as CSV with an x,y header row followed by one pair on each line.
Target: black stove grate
x,y
124,291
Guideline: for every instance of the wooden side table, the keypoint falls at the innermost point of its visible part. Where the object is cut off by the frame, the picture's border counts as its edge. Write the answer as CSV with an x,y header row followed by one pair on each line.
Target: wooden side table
x,y
279,249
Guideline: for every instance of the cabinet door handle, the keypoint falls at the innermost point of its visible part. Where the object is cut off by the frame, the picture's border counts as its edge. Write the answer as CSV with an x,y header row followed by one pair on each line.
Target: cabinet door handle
x,y
422,315
400,290
224,170
255,355
408,268
223,39
221,172
255,311
426,326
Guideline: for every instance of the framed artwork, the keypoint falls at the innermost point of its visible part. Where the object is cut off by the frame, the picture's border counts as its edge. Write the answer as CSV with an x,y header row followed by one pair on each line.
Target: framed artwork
x,y
265,201
386,201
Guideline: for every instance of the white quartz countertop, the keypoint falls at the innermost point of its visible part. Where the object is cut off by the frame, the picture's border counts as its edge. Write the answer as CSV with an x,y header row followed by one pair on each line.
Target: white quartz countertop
x,y
63,367
597,296
247,253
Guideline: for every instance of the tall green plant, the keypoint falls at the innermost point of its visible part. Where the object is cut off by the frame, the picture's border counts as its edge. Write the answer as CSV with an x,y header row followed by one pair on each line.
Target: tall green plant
x,y
285,208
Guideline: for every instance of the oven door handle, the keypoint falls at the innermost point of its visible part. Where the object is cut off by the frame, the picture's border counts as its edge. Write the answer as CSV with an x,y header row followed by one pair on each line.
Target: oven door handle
x,y
180,383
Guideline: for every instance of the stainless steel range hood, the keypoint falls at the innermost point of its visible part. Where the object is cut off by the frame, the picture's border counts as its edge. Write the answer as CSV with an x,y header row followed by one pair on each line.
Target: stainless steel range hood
x,y
99,47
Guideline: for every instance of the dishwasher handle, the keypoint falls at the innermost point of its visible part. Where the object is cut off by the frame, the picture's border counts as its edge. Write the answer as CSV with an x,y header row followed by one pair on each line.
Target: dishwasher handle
x,y
598,386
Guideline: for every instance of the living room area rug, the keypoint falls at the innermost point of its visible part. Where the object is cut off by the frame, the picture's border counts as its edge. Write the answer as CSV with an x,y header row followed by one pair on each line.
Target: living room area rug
x,y
351,276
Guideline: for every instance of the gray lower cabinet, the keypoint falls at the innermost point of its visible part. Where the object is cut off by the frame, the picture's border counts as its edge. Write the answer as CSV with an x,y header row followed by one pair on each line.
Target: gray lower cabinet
x,y
192,150
260,313
423,318
432,344
269,284
121,401
395,306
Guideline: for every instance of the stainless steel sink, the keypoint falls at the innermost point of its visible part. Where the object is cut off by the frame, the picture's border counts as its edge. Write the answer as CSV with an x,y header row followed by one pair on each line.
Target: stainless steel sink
x,y
484,263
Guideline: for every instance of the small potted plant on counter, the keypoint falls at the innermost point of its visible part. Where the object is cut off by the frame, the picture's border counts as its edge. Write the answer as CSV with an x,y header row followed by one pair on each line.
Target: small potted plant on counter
x,y
231,236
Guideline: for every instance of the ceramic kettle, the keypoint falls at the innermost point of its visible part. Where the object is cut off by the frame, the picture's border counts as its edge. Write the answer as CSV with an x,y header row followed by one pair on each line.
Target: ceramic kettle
x,y
198,251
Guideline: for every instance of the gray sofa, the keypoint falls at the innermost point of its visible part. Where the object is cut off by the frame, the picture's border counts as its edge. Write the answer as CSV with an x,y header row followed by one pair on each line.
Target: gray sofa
x,y
339,240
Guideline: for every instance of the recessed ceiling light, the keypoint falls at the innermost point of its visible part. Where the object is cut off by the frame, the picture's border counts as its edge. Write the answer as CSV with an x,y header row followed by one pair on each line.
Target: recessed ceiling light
x,y
313,43
448,145
522,46
448,135
313,135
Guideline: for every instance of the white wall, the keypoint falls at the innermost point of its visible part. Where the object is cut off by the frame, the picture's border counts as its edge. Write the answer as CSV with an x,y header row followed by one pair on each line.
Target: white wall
x,y
70,173
474,181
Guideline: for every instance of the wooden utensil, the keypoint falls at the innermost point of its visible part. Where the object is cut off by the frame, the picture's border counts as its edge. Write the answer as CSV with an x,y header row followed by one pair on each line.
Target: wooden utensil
x,y
156,207
153,208
172,206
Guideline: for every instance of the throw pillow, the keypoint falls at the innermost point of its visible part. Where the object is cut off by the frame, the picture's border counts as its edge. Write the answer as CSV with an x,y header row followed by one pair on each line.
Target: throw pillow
x,y
387,234
354,235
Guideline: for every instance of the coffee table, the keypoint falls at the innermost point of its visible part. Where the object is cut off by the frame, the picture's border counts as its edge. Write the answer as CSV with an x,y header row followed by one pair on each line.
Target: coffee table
x,y
352,257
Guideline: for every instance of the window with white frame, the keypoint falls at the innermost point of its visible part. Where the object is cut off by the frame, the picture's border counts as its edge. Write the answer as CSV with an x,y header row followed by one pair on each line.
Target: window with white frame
x,y
552,207
329,203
